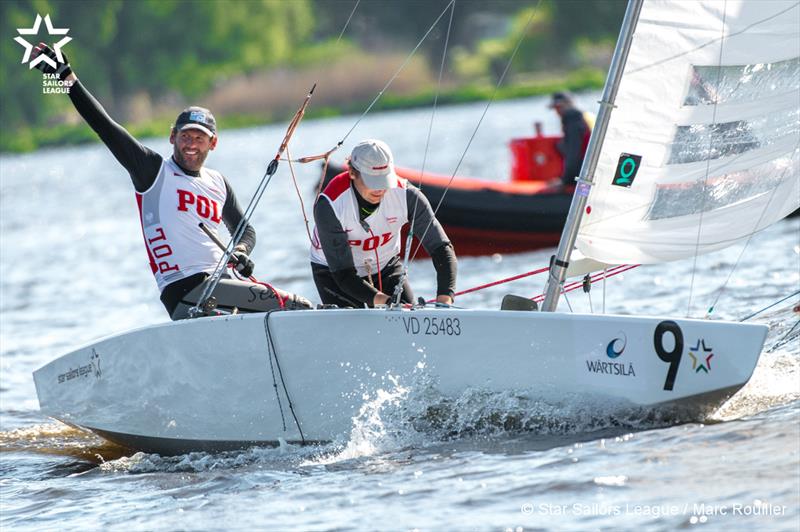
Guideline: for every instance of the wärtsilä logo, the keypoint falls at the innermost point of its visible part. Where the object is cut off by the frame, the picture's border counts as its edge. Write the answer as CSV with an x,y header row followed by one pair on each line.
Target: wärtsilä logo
x,y
613,350
616,346
611,368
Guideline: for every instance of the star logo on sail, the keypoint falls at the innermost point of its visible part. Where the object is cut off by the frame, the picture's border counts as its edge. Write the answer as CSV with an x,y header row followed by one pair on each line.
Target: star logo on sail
x,y
701,356
34,30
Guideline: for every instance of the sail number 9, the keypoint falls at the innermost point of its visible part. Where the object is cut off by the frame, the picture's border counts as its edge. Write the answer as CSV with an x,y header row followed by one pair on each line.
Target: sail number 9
x,y
670,356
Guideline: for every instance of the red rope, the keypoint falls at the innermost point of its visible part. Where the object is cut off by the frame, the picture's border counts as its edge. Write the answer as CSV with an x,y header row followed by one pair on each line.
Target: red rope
x,y
501,281
495,283
274,291
611,272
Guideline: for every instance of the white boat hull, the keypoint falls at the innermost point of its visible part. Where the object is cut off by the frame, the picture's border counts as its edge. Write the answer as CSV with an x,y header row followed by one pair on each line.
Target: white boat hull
x,y
213,383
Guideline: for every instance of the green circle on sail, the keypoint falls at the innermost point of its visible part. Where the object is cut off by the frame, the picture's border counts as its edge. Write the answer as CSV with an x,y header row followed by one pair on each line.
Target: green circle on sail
x,y
629,162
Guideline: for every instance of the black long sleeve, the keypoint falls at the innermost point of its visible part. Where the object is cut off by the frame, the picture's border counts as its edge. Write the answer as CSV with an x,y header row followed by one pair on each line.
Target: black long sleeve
x,y
141,162
446,266
354,286
434,240
575,130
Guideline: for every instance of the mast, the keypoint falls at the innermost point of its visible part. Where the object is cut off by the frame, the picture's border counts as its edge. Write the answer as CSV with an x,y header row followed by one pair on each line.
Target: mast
x,y
558,268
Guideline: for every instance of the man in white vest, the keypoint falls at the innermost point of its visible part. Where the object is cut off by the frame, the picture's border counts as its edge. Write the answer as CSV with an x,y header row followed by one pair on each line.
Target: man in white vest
x,y
355,251
174,196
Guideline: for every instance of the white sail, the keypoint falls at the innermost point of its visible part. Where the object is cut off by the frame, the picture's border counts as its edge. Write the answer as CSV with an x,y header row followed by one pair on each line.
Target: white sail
x,y
703,147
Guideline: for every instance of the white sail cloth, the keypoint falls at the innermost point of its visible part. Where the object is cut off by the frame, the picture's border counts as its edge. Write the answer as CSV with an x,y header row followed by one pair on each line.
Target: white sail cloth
x,y
710,101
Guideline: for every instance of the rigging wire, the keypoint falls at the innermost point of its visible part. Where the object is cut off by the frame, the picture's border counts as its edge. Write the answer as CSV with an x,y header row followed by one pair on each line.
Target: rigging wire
x,y
326,156
272,167
397,73
348,21
780,342
399,288
480,121
744,248
564,295
756,313
708,160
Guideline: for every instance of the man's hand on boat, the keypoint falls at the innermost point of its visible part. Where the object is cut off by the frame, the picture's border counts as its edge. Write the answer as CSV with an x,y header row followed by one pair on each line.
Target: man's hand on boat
x,y
62,68
241,261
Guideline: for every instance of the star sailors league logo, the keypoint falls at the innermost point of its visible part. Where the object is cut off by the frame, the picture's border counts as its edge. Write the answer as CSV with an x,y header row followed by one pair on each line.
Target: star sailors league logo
x,y
34,30
51,84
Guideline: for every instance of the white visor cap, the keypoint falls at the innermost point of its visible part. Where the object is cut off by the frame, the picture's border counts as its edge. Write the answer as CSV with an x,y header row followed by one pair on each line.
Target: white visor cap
x,y
374,162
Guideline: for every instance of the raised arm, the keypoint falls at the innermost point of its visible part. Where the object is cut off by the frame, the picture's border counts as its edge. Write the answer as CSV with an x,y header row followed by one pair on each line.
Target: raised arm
x,y
141,162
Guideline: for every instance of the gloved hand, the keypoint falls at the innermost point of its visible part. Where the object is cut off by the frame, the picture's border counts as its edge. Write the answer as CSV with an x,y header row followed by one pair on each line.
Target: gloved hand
x,y
297,302
62,67
242,263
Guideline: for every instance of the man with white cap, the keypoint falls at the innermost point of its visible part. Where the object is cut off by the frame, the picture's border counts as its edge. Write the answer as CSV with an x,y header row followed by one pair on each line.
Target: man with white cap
x,y
355,252
174,195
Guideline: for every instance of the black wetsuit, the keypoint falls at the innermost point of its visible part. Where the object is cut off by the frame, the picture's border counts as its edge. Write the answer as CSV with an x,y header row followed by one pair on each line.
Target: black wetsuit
x,y
338,283
143,165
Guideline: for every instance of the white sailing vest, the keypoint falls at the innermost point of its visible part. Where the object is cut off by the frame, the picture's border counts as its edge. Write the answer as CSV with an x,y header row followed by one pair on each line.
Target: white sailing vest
x,y
170,211
372,248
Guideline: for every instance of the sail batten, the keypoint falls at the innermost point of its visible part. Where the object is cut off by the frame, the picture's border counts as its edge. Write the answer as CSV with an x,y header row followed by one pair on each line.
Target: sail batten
x,y
703,150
